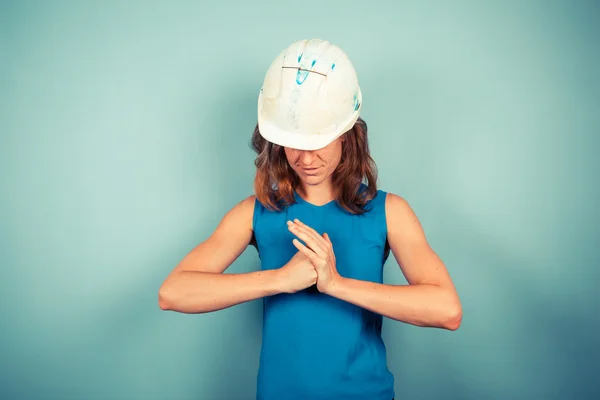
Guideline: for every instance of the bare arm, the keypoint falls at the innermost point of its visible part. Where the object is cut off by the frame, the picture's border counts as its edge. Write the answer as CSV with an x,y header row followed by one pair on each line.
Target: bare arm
x,y
430,299
198,285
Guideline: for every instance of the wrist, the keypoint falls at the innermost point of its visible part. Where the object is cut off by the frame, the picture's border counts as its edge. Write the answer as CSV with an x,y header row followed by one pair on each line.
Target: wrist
x,y
276,282
337,285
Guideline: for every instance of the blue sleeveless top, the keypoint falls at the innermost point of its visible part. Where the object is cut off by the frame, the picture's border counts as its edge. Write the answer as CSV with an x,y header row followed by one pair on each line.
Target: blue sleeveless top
x,y
316,346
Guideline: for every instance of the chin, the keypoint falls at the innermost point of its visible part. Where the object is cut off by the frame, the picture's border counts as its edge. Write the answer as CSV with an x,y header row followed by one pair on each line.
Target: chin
x,y
313,180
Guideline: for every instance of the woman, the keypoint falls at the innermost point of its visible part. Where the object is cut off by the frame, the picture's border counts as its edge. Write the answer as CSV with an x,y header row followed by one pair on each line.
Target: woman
x,y
323,232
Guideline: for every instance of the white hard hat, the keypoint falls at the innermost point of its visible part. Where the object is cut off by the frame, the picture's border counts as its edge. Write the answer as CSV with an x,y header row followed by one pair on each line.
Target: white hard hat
x,y
310,96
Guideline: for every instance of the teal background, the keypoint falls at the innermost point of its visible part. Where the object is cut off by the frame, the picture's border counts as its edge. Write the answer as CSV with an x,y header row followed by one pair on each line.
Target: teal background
x,y
124,130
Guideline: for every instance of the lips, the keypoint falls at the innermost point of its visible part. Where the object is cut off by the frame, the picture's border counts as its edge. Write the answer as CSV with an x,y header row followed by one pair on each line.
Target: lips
x,y
310,171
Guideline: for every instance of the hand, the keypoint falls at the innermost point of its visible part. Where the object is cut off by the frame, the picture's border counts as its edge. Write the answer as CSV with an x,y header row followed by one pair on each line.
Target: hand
x,y
297,274
319,252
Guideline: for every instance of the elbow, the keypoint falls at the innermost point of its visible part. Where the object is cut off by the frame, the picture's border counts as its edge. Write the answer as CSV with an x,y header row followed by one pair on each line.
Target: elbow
x,y
453,317
164,299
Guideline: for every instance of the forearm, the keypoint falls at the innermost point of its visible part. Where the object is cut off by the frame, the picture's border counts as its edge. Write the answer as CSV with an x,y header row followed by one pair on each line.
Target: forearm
x,y
201,292
421,305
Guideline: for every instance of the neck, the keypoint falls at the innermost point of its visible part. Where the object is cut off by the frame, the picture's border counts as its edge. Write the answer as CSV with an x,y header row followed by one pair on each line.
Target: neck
x,y
317,194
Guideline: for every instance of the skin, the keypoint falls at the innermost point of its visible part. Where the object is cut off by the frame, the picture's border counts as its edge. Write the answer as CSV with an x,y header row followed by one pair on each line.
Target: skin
x,y
198,285
315,169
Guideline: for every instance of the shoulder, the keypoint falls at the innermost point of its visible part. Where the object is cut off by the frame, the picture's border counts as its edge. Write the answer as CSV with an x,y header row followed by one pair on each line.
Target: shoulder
x,y
243,212
246,205
248,202
399,213
394,202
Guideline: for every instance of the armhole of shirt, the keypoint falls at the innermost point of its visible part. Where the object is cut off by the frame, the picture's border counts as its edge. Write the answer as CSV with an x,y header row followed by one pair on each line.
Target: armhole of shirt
x,y
383,214
383,202
255,213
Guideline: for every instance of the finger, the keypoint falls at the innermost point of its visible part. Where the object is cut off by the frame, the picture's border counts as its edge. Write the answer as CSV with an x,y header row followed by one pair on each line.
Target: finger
x,y
306,251
328,240
331,252
304,226
310,243
310,231
309,239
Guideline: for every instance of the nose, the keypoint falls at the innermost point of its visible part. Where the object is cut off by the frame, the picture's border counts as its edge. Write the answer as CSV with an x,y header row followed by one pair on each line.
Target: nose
x,y
307,157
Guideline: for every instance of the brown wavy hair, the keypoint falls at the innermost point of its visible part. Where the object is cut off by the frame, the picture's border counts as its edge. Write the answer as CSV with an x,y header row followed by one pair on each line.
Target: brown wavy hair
x,y
276,181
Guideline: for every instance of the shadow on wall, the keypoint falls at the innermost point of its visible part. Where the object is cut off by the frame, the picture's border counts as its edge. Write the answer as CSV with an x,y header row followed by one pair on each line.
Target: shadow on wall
x,y
236,332
140,351
518,340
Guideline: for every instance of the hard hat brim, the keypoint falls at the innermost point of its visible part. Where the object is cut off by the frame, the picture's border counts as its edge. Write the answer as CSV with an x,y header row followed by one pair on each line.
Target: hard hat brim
x,y
299,141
